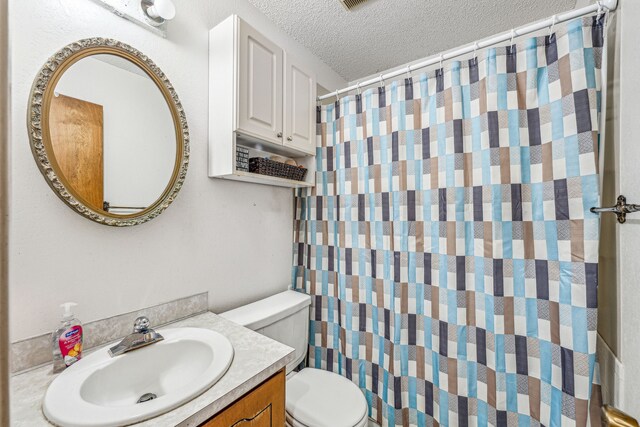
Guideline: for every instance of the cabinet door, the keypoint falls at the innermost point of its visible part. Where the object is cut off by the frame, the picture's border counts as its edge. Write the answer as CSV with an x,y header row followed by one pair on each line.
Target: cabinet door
x,y
260,77
264,406
300,100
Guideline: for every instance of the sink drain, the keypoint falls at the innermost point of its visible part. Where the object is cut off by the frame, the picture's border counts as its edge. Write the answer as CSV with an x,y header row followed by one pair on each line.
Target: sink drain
x,y
146,397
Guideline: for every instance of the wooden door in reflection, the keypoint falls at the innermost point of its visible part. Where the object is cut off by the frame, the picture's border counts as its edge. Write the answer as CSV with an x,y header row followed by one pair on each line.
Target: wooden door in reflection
x,y
77,136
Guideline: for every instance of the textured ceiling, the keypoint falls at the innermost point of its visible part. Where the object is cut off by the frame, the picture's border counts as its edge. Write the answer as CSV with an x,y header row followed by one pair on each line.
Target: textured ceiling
x,y
382,34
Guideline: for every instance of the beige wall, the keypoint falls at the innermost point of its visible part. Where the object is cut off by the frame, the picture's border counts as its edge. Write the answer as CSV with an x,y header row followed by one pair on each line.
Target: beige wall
x,y
608,308
609,339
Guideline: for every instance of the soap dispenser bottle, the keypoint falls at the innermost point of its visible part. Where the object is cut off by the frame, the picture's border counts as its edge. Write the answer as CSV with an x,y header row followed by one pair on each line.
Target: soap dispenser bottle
x,y
67,340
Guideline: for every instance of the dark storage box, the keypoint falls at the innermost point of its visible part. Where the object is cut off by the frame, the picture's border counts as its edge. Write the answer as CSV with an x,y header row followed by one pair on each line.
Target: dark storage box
x,y
263,166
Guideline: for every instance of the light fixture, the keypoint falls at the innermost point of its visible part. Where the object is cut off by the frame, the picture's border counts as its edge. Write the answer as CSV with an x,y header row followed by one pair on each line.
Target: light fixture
x,y
149,14
157,12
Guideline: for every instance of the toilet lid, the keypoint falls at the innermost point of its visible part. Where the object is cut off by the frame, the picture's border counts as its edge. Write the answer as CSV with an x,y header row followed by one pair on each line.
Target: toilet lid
x,y
323,399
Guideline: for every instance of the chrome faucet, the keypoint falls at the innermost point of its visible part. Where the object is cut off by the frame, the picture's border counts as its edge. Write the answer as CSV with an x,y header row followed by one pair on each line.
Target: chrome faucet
x,y
142,336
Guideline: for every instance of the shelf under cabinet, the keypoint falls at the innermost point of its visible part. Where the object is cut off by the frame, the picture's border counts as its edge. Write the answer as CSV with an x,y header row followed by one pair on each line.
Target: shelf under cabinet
x,y
266,180
222,162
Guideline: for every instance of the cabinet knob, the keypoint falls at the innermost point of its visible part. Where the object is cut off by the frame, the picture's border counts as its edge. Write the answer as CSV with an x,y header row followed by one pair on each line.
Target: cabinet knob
x,y
279,135
289,138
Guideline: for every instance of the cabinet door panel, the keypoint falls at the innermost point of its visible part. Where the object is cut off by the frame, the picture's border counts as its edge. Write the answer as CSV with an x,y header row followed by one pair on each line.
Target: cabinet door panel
x,y
259,86
263,419
300,97
264,406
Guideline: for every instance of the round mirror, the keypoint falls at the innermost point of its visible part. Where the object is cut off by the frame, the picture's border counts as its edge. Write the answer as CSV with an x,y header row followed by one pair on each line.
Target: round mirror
x,y
108,132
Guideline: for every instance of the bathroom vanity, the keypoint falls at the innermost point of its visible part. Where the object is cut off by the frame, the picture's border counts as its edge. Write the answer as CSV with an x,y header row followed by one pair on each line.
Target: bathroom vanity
x,y
251,392
264,406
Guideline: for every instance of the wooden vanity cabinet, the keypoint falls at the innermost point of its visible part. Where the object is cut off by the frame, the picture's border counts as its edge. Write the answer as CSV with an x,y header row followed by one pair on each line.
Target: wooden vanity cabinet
x,y
264,406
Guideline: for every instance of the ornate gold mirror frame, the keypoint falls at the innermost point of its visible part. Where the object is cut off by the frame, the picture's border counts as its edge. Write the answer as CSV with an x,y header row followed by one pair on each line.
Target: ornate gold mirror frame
x,y
40,137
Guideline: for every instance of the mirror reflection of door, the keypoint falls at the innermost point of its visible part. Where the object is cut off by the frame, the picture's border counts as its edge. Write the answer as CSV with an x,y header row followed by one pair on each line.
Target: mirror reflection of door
x,y
77,135
138,138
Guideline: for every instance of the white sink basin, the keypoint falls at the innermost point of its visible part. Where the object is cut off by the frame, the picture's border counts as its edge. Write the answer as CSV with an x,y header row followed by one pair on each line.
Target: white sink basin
x,y
103,391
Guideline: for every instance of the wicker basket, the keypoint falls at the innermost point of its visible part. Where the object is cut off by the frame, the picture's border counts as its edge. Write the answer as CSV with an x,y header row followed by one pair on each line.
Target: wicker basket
x,y
263,166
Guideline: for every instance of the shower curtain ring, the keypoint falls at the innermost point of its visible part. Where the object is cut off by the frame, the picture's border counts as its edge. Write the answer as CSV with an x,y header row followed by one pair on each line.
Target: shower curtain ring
x,y
599,13
441,59
358,91
337,95
409,71
475,50
513,35
382,80
553,24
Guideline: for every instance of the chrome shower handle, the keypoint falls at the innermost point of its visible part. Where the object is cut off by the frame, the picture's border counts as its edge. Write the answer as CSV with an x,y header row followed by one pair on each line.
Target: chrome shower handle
x,y
621,209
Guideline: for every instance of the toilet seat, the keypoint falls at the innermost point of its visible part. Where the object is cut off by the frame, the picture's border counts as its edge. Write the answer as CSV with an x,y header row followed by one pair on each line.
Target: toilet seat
x,y
318,398
290,422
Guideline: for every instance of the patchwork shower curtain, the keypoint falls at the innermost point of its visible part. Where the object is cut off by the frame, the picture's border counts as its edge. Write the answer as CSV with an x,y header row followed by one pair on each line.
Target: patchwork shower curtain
x,y
448,245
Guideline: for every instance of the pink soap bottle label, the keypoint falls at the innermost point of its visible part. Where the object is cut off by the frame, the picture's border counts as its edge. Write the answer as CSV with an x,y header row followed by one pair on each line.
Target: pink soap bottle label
x,y
71,345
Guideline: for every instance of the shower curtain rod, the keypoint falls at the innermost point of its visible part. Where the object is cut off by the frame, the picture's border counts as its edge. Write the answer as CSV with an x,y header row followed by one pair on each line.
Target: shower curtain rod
x,y
600,6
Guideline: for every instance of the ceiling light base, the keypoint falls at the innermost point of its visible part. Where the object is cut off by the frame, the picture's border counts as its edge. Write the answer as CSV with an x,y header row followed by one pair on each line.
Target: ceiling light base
x,y
132,10
157,12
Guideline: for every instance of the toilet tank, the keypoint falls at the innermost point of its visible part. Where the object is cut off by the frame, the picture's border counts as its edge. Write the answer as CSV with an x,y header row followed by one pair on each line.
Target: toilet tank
x,y
283,317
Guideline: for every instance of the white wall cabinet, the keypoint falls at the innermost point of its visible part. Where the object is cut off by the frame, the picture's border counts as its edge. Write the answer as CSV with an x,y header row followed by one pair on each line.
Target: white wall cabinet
x,y
259,97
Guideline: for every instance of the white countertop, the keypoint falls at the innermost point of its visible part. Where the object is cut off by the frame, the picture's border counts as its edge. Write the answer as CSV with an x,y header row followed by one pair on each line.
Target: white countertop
x,y
256,358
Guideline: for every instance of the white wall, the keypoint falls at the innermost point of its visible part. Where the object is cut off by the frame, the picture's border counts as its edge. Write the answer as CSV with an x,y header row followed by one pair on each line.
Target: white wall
x,y
628,234
139,147
229,238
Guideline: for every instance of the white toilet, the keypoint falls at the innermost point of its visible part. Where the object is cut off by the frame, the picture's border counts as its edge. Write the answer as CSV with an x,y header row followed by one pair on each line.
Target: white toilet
x,y
315,398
